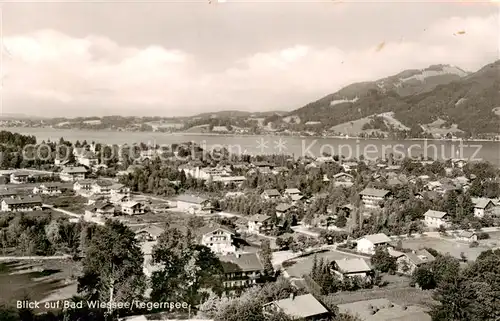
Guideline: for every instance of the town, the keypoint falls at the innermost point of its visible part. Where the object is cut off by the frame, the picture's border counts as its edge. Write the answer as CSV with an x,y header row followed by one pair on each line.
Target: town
x,y
268,236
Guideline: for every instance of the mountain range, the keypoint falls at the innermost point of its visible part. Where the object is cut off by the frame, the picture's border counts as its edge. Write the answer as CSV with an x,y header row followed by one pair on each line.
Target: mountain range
x,y
440,96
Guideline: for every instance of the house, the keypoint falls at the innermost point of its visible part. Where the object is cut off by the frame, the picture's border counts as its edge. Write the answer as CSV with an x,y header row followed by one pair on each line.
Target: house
x,y
83,187
259,223
467,236
228,180
51,188
88,158
149,233
132,208
21,204
436,219
101,187
283,209
369,243
343,177
383,310
194,204
19,177
7,193
350,166
483,206
69,174
458,162
350,268
346,209
372,197
219,239
270,194
303,307
324,221
119,198
100,208
117,189
241,270
289,192
409,262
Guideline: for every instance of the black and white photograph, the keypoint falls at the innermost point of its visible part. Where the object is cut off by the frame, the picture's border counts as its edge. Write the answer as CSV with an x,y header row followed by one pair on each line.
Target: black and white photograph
x,y
249,160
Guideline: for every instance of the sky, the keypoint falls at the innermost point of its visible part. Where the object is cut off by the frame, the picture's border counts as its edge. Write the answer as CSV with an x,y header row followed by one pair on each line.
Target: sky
x,y
177,58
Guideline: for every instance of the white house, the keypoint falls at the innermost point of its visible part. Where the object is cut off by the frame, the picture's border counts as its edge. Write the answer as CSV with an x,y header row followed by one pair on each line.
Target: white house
x,y
88,158
50,188
369,243
350,166
436,219
83,187
193,204
270,194
218,238
21,204
372,197
69,174
407,263
19,177
467,236
132,208
350,268
101,187
259,223
482,206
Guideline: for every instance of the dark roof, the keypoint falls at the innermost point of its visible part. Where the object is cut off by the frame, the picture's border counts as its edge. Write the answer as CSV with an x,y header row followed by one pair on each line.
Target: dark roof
x,y
283,207
20,173
246,262
259,218
209,229
103,183
272,192
374,192
25,200
74,170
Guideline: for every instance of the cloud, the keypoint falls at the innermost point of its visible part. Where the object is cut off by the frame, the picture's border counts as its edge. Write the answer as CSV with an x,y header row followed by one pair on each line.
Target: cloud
x,y
95,71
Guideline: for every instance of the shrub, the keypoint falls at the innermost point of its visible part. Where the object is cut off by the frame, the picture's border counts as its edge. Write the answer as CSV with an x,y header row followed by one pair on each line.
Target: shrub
x,y
483,236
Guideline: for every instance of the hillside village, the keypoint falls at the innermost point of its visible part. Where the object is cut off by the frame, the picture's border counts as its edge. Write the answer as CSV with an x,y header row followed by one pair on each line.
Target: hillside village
x,y
322,238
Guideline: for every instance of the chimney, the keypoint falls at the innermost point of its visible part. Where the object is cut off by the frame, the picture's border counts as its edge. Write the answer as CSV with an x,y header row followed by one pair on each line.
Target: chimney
x,y
292,295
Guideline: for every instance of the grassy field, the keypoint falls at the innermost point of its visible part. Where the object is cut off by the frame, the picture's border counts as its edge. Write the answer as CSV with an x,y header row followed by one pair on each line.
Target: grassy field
x,y
37,280
304,265
453,248
401,296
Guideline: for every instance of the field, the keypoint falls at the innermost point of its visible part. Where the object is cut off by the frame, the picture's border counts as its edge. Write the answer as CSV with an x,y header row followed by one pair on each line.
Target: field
x,y
38,280
445,247
304,265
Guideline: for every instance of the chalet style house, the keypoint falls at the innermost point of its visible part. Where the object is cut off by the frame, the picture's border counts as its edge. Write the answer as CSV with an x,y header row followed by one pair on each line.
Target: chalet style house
x,y
194,204
350,268
70,174
25,204
260,223
436,219
303,307
372,197
219,239
51,188
241,270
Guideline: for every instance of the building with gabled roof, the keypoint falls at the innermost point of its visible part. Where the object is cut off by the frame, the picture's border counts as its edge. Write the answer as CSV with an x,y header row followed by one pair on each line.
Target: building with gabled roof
x,y
194,204
132,208
350,268
436,219
304,307
270,194
149,233
19,177
372,197
23,204
369,243
219,239
409,262
241,270
70,174
259,223
49,188
483,206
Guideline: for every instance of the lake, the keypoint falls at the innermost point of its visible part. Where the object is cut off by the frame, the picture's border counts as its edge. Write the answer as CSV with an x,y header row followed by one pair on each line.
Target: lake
x,y
296,146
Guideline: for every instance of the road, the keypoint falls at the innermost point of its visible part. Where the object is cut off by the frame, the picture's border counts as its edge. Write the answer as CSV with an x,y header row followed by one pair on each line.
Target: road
x,y
30,258
87,219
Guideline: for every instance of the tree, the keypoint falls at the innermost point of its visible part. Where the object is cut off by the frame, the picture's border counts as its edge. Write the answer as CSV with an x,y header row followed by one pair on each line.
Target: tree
x,y
424,278
186,268
112,267
383,261
266,257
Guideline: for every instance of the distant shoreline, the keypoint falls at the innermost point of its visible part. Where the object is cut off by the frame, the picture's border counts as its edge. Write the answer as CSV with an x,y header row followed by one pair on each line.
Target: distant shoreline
x,y
257,135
